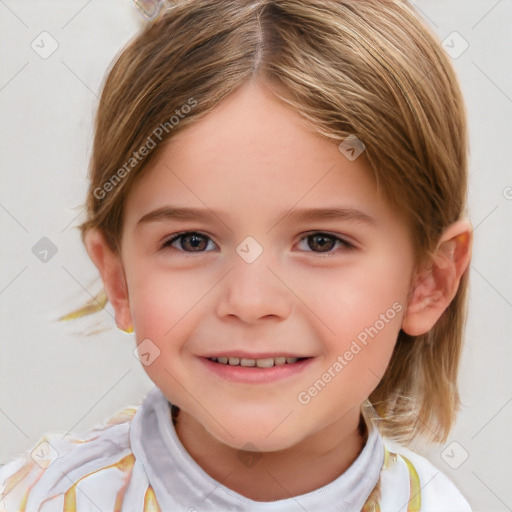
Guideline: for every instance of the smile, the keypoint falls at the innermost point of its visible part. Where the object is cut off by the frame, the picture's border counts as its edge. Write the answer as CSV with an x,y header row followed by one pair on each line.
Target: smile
x,y
268,362
262,370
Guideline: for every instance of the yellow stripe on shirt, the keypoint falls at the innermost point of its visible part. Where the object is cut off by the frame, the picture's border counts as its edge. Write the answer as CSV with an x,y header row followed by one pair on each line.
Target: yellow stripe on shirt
x,y
125,465
150,503
415,486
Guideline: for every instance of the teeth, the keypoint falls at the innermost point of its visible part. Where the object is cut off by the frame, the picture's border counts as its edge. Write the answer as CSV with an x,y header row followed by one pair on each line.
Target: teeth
x,y
265,363
260,363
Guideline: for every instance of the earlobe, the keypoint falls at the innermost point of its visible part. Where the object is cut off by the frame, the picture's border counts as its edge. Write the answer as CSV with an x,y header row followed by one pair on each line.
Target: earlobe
x,y
112,274
435,285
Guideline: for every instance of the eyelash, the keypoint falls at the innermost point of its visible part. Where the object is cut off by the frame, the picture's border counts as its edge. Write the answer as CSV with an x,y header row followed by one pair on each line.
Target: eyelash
x,y
343,244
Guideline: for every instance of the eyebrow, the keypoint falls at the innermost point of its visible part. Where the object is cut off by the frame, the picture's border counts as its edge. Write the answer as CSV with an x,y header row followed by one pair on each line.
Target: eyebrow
x,y
316,214
299,215
180,214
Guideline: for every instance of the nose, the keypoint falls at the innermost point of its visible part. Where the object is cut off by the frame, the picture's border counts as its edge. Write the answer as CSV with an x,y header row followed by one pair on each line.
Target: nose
x,y
254,291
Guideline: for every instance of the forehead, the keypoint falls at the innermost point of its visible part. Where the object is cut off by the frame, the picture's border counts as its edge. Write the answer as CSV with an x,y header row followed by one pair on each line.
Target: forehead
x,y
253,154
249,118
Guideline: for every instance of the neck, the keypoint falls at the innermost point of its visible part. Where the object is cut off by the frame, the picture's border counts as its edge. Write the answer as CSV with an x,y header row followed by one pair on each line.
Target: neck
x,y
310,464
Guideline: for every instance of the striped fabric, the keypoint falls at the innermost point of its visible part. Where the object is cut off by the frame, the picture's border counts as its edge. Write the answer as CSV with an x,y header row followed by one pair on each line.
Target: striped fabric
x,y
122,472
101,473
414,498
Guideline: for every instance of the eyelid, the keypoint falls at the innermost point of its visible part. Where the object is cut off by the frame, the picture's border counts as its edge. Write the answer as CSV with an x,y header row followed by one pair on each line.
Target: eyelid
x,y
346,241
166,242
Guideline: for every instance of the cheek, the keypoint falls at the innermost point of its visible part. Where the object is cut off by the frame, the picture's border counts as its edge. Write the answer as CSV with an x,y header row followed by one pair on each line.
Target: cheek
x,y
165,309
361,309
350,299
162,300
167,306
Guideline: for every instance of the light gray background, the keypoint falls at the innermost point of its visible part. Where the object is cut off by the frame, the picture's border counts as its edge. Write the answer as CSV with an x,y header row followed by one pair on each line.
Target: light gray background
x,y
70,376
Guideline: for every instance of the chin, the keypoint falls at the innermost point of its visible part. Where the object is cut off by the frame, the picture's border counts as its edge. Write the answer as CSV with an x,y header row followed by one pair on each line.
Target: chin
x,y
252,434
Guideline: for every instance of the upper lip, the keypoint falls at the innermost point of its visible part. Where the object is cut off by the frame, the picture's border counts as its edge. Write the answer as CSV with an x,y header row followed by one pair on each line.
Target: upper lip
x,y
246,355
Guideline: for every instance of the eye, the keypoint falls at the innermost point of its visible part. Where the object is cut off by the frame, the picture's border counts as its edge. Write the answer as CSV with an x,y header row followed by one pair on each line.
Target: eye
x,y
324,243
190,241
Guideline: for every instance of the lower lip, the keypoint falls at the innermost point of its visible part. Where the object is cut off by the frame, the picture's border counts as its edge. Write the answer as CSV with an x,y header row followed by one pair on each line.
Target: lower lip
x,y
255,375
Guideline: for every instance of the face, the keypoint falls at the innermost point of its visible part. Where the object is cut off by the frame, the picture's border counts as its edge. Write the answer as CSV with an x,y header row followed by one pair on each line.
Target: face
x,y
251,237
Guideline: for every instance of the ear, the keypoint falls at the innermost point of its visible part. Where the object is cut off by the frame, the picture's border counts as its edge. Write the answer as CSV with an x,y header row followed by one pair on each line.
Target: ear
x,y
112,274
434,286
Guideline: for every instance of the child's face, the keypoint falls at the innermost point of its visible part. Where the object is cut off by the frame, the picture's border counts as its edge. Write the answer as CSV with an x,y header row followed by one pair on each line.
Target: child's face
x,y
246,166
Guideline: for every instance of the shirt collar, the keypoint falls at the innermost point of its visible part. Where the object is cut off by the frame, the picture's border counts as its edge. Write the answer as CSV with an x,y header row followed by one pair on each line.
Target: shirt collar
x,y
180,483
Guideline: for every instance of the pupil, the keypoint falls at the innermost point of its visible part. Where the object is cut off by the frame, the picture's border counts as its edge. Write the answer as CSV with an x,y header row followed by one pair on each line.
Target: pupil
x,y
323,243
195,241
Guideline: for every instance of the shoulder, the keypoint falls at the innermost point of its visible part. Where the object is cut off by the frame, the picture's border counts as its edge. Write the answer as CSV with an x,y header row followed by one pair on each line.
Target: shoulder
x,y
422,484
59,465
437,489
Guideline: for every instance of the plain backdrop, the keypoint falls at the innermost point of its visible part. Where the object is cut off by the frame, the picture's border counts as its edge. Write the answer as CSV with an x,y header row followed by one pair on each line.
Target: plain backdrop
x,y
57,376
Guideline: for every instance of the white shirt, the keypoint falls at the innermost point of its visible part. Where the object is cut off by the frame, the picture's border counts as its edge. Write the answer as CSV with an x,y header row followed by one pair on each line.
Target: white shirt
x,y
136,462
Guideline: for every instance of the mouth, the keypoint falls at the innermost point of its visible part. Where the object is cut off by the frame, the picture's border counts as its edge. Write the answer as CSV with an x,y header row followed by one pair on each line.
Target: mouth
x,y
267,362
263,370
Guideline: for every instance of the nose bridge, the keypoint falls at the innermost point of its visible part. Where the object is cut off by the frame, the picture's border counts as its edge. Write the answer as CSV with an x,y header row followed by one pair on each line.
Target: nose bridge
x,y
251,290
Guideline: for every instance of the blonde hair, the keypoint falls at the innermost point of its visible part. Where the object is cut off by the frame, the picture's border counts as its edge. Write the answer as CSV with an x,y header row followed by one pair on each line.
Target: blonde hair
x,y
368,68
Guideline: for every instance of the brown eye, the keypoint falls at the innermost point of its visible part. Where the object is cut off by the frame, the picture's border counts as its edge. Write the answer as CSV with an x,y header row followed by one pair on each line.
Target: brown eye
x,y
321,242
324,243
188,242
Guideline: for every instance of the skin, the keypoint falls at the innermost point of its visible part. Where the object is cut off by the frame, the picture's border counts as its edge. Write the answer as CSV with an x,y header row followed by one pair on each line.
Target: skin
x,y
253,160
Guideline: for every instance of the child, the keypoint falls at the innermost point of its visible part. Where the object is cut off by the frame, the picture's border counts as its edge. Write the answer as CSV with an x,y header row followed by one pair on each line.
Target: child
x,y
276,209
